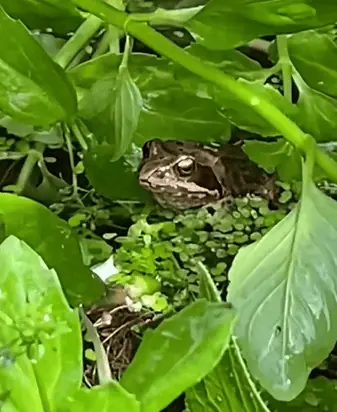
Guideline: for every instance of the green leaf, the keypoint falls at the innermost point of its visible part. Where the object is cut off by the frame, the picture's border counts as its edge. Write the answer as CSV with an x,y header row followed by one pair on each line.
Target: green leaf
x,y
111,111
228,387
226,25
42,14
40,336
103,398
148,71
52,238
285,291
178,115
244,116
114,180
280,156
178,353
232,62
33,89
128,106
319,394
317,112
319,73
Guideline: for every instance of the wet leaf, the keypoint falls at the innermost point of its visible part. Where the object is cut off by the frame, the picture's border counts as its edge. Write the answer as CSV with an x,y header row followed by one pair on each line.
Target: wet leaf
x,y
53,239
285,291
226,25
33,89
36,311
178,353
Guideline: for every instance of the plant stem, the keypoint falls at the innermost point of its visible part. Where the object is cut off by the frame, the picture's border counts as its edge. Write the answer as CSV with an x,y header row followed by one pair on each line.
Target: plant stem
x,y
165,47
78,134
32,158
286,66
82,36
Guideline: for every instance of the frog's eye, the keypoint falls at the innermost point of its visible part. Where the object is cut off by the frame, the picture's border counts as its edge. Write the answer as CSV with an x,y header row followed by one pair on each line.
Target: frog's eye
x,y
186,167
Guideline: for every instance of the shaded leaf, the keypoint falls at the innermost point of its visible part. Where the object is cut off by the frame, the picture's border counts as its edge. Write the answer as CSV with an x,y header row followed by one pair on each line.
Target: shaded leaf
x,y
46,330
280,156
178,353
178,115
114,180
33,89
285,290
317,112
226,25
105,398
42,14
53,240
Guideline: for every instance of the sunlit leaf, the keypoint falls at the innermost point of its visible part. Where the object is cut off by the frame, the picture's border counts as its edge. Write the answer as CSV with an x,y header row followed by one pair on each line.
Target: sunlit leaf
x,y
41,14
178,353
285,290
41,340
105,398
228,24
52,238
33,89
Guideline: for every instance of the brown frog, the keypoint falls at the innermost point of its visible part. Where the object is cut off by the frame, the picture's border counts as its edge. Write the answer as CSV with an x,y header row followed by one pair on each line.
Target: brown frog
x,y
184,175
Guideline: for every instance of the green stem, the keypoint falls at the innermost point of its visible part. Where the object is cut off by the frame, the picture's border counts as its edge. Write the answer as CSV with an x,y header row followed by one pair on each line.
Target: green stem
x,y
166,48
78,134
32,158
82,36
286,66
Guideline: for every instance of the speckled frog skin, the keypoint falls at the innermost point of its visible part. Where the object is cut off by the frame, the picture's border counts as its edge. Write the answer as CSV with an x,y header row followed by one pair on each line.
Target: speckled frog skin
x,y
183,175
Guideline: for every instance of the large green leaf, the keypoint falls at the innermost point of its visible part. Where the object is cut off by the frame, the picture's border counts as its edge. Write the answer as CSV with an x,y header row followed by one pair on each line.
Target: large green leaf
x,y
178,353
284,288
40,336
228,387
53,239
104,398
319,394
228,24
33,89
41,14
177,115
319,73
